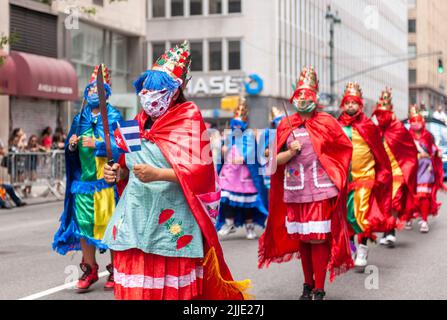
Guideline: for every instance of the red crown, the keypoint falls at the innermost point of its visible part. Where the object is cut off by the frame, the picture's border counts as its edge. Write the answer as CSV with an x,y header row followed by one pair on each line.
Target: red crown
x,y
308,80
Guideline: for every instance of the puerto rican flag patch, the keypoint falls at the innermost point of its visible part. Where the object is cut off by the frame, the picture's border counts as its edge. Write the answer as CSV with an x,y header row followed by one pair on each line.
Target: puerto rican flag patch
x,y
127,136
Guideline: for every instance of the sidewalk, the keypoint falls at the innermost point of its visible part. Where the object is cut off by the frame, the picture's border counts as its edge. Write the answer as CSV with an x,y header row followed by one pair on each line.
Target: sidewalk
x,y
39,195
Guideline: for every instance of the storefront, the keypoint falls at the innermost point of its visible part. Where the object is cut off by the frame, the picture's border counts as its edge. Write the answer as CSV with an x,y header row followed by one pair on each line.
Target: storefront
x,y
38,88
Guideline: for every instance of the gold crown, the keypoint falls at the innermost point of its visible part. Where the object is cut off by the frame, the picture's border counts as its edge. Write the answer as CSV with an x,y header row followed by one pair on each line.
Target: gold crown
x,y
308,80
353,90
385,101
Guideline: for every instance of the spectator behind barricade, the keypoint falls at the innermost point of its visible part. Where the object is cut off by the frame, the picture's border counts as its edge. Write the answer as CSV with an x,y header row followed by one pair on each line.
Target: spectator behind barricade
x,y
46,139
31,162
3,150
59,138
16,163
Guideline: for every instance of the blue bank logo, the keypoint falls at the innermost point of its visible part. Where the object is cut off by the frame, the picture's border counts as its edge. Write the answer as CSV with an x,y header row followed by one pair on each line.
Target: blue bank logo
x,y
255,85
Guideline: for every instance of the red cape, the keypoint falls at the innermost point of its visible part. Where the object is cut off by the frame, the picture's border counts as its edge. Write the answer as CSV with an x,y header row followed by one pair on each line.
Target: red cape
x,y
180,133
426,138
380,217
402,146
334,151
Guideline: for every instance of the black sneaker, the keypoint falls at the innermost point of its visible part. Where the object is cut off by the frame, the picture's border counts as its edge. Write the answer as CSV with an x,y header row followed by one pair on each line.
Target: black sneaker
x,y
307,292
319,295
22,204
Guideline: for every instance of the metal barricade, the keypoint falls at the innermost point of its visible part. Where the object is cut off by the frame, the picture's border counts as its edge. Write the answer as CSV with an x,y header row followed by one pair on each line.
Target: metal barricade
x,y
26,170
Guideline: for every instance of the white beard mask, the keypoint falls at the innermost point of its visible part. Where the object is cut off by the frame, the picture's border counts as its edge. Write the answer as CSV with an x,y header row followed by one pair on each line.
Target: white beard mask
x,y
156,103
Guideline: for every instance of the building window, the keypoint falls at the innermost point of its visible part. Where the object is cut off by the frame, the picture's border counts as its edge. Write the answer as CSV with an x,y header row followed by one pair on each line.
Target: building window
x,y
234,55
158,48
215,6
195,7
234,6
413,97
412,76
412,25
158,8
98,2
176,8
197,56
412,49
411,4
215,50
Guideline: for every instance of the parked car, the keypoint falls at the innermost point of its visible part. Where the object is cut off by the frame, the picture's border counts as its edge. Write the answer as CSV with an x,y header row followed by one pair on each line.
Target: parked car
x,y
439,130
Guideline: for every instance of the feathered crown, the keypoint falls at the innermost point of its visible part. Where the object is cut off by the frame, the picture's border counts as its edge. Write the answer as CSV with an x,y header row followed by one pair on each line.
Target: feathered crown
x,y
105,73
353,90
176,62
385,101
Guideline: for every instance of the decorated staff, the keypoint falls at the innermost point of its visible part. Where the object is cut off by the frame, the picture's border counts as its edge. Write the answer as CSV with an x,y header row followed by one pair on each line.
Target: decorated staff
x,y
89,200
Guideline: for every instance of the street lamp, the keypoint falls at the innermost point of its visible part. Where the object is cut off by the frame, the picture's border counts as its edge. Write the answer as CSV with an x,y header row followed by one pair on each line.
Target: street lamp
x,y
333,20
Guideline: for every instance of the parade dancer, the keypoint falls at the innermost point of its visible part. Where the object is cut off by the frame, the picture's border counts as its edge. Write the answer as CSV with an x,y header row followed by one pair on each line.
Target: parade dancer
x,y
430,171
89,200
165,243
244,194
370,177
402,152
308,193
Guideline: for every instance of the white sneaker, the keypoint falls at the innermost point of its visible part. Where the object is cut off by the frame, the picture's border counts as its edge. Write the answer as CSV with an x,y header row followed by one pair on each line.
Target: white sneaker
x,y
251,234
362,256
409,225
391,240
383,241
227,229
424,227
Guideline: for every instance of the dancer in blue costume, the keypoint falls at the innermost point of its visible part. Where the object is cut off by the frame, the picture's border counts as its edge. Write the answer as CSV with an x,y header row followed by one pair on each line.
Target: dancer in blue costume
x,y
244,194
89,200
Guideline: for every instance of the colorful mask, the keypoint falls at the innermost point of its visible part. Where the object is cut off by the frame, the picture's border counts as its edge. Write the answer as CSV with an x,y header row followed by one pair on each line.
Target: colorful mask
x,y
156,103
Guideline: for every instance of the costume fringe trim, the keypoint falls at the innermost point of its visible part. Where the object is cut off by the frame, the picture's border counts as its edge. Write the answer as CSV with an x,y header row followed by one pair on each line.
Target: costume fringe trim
x,y
230,290
89,187
265,262
155,80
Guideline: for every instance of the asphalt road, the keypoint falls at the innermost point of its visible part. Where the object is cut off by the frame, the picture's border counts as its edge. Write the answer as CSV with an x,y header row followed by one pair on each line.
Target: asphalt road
x,y
414,269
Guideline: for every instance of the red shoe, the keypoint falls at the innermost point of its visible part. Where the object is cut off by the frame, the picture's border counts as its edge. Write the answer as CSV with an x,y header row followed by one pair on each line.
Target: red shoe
x,y
110,284
89,277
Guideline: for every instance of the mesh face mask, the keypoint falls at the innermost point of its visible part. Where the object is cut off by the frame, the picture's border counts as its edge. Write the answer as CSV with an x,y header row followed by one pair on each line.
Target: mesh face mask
x,y
155,103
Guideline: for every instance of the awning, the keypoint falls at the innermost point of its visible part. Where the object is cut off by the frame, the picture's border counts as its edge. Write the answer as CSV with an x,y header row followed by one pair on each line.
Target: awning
x,y
41,77
8,83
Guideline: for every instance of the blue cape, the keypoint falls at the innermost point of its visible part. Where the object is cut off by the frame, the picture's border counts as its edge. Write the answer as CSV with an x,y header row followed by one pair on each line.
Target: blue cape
x,y
67,238
248,148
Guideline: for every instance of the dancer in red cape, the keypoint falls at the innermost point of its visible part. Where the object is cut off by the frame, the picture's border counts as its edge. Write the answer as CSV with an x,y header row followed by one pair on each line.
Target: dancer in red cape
x,y
430,171
402,152
370,187
165,241
307,214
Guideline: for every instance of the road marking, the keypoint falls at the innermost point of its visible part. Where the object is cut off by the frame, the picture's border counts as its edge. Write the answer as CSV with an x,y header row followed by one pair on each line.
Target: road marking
x,y
57,289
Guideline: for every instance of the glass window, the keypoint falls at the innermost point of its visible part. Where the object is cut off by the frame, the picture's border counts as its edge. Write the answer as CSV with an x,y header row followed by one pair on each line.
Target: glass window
x,y
412,25
215,50
158,48
119,52
215,6
234,6
234,55
176,8
97,2
87,44
195,7
158,8
196,56
412,76
412,49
